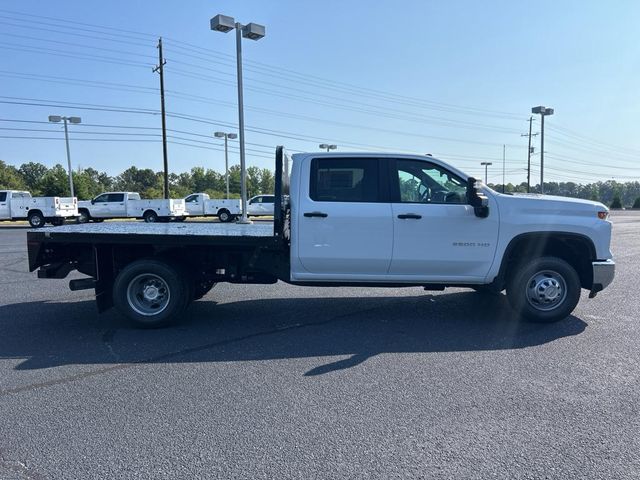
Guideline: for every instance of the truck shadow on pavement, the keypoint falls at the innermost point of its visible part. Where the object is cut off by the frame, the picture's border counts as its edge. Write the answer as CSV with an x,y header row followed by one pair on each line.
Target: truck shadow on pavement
x,y
354,329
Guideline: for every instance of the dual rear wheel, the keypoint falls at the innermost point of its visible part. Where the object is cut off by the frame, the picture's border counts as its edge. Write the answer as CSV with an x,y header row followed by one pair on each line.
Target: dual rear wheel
x,y
153,293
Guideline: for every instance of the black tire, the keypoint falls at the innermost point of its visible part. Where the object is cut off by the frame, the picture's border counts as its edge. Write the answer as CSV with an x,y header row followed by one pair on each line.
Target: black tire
x,y
57,221
36,219
83,216
225,216
98,220
150,216
544,290
168,293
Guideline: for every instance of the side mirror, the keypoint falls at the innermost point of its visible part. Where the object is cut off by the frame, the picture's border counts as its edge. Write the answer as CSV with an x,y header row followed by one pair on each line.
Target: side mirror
x,y
477,199
93,201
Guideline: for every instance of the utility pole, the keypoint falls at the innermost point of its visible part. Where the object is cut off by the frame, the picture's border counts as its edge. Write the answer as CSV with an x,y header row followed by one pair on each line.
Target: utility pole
x,y
160,69
529,152
543,111
504,150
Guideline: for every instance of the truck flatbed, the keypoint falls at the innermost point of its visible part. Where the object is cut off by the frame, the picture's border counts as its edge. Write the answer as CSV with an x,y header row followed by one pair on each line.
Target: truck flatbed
x,y
158,233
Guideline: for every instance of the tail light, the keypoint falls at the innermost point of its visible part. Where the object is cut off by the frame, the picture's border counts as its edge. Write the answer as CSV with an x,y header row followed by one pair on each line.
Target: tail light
x,y
603,215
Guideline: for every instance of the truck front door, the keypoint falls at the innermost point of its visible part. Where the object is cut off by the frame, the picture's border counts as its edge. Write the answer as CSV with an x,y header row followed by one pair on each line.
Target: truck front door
x,y
437,236
344,221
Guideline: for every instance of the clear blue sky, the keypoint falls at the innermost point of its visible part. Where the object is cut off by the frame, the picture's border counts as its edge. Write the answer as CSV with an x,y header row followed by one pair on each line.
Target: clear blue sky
x,y
456,79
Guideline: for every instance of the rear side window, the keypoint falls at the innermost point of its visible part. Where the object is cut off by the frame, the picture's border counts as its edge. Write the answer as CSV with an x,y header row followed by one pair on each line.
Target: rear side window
x,y
116,197
268,199
344,180
3,196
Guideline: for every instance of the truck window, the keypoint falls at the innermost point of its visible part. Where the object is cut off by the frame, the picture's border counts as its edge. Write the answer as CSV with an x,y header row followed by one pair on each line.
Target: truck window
x,y
3,196
116,197
268,199
424,182
344,180
191,198
132,196
102,198
256,200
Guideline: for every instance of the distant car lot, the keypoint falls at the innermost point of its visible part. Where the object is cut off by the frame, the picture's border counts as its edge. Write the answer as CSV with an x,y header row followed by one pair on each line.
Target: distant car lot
x,y
271,382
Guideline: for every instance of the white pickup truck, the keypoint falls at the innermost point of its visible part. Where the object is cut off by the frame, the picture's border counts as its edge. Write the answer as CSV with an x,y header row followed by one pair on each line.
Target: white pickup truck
x,y
359,219
130,205
20,205
261,205
201,205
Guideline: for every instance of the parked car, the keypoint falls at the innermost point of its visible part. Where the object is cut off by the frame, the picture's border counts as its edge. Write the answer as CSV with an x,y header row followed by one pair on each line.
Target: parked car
x,y
20,205
129,205
260,205
201,205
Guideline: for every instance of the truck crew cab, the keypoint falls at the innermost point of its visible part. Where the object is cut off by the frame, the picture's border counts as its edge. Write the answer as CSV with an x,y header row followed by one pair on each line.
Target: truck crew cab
x,y
350,219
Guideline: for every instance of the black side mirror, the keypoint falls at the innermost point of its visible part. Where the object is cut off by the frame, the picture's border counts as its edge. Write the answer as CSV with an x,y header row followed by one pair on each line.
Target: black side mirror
x,y
477,199
93,201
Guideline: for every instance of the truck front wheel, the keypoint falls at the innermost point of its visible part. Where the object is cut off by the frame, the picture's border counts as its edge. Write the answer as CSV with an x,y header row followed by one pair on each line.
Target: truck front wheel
x,y
83,216
545,289
151,293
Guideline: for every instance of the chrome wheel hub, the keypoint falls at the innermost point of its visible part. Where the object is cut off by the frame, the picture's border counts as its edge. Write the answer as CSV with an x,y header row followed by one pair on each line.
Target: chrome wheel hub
x,y
546,290
148,294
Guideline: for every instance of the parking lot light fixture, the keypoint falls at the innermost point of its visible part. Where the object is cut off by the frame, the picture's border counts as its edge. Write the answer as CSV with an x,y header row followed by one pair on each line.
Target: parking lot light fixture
x,y
226,155
486,166
327,147
74,120
252,31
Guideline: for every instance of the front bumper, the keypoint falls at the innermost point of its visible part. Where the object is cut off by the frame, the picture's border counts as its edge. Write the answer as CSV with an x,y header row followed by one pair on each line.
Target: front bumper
x,y
603,273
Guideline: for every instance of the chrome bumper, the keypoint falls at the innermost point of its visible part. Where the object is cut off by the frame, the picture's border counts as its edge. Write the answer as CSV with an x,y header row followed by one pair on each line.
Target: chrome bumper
x,y
603,273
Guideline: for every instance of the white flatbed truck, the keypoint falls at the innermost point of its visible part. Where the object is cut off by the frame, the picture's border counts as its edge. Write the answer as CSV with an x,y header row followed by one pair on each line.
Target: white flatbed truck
x,y
358,219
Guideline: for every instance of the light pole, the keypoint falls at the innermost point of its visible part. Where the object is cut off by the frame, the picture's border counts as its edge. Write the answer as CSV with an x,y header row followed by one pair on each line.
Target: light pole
x,y
252,31
226,155
327,146
543,111
58,119
485,165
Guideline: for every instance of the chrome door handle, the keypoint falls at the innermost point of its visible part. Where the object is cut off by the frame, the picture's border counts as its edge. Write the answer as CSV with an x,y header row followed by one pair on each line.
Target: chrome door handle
x,y
413,216
316,214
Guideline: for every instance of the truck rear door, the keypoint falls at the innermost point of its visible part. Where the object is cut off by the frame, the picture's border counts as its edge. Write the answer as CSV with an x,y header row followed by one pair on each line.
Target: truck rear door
x,y
344,219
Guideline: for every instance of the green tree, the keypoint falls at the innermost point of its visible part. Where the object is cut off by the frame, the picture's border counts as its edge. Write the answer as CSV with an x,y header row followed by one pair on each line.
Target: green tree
x,y
10,178
55,183
134,179
32,174
636,204
616,203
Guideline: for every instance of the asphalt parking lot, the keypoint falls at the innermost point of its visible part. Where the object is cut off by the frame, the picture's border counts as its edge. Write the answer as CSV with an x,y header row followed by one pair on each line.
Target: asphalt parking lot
x,y
296,382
